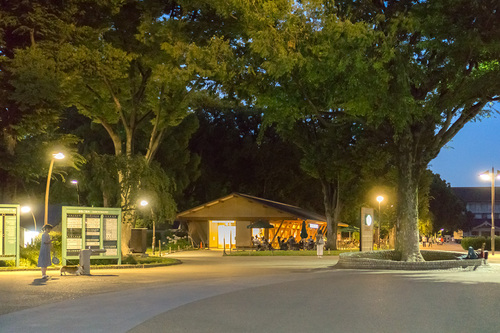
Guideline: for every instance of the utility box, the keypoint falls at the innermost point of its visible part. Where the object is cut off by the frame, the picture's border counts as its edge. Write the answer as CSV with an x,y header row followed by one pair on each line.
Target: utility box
x,y
97,229
138,240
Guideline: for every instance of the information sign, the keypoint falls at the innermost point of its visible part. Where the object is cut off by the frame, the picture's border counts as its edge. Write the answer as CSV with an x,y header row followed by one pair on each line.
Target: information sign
x,y
10,232
91,228
366,229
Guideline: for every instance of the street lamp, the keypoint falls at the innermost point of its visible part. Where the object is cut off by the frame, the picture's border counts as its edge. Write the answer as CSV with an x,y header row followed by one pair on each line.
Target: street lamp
x,y
379,199
58,156
487,175
144,203
27,209
75,182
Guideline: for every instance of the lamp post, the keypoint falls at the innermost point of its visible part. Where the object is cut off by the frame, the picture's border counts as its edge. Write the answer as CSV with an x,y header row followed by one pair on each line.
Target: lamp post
x,y
58,156
75,182
27,209
487,175
144,203
379,199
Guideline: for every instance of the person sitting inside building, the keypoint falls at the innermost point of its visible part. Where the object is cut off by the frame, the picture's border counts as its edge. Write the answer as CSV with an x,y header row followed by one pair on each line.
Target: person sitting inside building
x,y
256,242
282,244
292,243
310,243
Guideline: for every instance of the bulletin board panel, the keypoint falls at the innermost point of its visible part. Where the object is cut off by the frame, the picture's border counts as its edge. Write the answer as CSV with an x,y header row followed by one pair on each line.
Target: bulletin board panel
x,y
91,228
10,232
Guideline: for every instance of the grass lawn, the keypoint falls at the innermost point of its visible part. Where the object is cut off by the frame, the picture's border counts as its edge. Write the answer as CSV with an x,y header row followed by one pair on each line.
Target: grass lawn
x,y
285,253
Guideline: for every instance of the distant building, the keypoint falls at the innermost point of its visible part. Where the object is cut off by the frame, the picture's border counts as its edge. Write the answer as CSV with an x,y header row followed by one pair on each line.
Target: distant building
x,y
227,222
478,201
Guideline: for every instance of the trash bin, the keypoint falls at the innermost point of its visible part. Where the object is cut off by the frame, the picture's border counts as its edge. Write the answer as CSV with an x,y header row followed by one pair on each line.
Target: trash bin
x,y
85,259
486,255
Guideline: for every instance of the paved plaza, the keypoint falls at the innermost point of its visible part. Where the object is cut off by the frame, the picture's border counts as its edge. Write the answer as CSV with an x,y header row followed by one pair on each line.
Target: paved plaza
x,y
213,293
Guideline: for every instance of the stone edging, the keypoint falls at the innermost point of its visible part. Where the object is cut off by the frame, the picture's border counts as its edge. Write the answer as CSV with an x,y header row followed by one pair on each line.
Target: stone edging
x,y
386,260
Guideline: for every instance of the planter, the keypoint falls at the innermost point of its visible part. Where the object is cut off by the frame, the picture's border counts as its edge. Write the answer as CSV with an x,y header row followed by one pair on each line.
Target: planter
x,y
390,260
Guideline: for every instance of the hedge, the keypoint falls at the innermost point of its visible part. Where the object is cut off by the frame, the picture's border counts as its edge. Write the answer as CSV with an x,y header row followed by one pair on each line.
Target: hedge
x,y
477,243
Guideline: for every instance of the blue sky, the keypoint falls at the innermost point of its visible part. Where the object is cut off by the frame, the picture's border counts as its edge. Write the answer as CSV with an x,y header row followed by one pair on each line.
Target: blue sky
x,y
475,149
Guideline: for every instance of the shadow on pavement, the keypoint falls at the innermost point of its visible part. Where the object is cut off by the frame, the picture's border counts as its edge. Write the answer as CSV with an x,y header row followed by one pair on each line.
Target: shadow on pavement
x,y
42,282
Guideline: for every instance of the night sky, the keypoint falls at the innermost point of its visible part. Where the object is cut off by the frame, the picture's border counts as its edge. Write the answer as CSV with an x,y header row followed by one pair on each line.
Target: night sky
x,y
475,149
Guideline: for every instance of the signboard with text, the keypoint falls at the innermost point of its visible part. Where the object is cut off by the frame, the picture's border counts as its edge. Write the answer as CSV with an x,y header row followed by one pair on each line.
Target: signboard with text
x,y
367,229
91,228
10,232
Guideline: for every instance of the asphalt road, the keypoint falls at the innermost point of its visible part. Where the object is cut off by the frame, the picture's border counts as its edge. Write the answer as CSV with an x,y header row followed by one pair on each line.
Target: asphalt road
x,y
211,293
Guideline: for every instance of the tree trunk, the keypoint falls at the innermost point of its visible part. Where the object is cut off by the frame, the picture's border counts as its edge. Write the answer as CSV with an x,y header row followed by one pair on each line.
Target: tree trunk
x,y
127,222
127,216
407,211
332,212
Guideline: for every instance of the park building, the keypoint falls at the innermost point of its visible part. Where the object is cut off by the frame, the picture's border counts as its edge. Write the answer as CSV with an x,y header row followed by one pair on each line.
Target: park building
x,y
232,221
478,202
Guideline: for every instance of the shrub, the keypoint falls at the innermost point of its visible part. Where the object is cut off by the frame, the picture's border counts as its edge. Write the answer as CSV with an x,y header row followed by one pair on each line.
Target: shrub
x,y
477,242
130,260
29,254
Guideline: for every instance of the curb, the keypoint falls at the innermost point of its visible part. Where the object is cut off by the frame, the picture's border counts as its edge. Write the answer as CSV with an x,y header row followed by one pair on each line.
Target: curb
x,y
387,260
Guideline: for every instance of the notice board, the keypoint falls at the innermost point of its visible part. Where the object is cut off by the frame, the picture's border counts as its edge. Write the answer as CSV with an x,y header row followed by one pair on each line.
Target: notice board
x,y
91,228
10,232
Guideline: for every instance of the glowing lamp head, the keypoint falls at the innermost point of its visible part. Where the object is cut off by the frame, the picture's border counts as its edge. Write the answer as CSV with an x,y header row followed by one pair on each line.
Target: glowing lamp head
x,y
25,209
74,181
485,176
380,198
58,156
144,203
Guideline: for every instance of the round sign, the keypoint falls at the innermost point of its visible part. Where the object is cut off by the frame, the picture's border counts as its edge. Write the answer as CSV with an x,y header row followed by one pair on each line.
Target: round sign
x,y
368,219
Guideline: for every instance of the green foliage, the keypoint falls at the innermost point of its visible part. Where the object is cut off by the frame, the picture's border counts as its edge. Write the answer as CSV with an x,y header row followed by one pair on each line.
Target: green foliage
x,y
129,260
477,243
29,254
286,253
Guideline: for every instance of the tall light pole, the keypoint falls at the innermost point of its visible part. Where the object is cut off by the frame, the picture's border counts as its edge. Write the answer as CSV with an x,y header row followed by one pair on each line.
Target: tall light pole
x,y
145,203
491,177
27,209
379,199
58,156
75,182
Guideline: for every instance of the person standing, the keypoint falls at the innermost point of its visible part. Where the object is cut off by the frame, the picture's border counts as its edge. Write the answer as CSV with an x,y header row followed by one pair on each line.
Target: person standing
x,y
320,243
44,259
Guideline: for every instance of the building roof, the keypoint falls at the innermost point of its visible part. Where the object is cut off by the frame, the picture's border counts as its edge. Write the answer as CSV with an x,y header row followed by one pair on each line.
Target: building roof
x,y
300,213
244,206
476,194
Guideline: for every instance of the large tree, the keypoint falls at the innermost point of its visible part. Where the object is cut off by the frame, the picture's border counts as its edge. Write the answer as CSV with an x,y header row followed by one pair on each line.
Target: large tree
x,y
303,53
32,94
139,77
443,73
416,71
